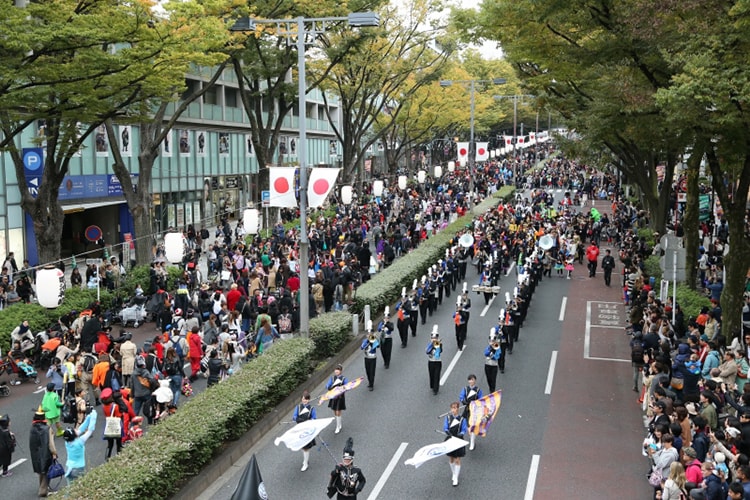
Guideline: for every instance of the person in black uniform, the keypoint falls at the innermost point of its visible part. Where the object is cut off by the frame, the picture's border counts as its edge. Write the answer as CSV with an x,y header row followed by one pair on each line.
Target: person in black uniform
x,y
369,347
434,359
441,281
346,480
337,404
403,313
434,286
302,413
455,426
468,394
608,264
414,317
460,320
424,300
385,328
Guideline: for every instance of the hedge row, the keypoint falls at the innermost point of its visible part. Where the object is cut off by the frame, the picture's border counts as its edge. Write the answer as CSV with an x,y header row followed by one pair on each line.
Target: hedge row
x,y
385,287
154,466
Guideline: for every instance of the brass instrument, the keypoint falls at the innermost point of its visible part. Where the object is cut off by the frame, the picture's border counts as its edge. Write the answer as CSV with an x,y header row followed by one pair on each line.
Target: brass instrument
x,y
496,345
372,336
436,343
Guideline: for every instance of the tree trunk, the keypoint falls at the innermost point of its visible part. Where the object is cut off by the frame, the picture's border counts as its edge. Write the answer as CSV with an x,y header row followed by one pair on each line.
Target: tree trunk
x,y
690,222
735,263
47,216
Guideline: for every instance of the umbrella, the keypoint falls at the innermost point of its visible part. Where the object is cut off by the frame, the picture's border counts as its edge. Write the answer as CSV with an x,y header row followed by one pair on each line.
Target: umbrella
x,y
435,450
338,391
301,434
482,412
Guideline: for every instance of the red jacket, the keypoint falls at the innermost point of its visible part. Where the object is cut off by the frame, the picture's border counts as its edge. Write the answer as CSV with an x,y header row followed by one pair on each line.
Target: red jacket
x,y
592,253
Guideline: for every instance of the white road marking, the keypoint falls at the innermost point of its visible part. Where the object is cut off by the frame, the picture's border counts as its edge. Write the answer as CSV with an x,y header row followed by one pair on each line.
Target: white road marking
x,y
551,373
41,389
387,472
16,463
587,337
510,269
451,366
562,309
487,307
531,481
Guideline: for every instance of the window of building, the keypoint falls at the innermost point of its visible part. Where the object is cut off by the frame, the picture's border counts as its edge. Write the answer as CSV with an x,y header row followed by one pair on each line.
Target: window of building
x,y
230,97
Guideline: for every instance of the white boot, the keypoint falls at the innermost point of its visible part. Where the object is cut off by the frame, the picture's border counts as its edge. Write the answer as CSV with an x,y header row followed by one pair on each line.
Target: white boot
x,y
306,458
338,425
472,437
455,477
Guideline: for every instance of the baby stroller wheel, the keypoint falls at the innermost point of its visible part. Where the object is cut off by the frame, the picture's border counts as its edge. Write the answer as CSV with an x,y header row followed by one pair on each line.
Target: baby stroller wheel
x,y
135,325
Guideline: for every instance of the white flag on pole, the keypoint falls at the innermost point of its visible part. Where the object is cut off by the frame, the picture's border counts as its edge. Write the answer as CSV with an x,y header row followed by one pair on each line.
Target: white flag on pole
x,y
435,450
462,150
319,184
281,185
301,434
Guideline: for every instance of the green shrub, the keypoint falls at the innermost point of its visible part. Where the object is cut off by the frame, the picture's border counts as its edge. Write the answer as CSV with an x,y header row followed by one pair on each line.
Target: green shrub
x,y
648,235
330,332
651,267
154,466
691,301
138,275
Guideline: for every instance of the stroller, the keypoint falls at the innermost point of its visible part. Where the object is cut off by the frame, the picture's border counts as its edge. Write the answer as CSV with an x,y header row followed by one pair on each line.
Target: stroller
x,y
135,312
23,371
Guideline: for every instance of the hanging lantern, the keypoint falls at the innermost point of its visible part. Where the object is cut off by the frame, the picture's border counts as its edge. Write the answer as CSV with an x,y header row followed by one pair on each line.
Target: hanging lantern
x,y
174,248
451,166
377,188
492,153
421,175
402,182
438,172
50,287
499,152
251,220
346,195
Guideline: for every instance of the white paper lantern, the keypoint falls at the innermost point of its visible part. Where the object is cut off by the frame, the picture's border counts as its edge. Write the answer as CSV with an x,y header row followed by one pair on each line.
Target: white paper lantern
x,y
402,182
421,175
50,287
251,220
377,188
500,151
492,153
451,166
174,248
438,172
346,195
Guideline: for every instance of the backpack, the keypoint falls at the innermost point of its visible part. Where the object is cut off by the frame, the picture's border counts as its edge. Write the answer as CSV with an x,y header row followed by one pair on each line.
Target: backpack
x,y
178,348
88,363
69,410
285,323
637,352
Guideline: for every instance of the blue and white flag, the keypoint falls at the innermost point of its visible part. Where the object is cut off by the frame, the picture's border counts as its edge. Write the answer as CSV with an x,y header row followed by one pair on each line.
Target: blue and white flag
x,y
301,434
435,450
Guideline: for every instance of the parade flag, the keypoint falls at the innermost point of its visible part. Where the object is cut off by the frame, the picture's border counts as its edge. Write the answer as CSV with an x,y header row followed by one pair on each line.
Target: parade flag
x,y
482,153
508,141
521,141
301,434
337,391
320,183
532,138
482,412
251,485
462,150
281,185
435,450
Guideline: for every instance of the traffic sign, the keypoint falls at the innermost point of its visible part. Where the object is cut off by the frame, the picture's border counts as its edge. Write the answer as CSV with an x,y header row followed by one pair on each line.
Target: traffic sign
x,y
266,198
32,183
32,160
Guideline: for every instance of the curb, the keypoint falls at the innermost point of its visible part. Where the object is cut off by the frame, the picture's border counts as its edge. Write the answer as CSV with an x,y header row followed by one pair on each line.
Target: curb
x,y
228,456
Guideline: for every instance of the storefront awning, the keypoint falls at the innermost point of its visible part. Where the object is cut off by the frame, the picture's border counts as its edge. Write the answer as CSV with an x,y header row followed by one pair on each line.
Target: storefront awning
x,y
80,207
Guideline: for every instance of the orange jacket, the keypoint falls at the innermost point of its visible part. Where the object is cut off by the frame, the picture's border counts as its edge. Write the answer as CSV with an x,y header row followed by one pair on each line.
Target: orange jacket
x,y
99,373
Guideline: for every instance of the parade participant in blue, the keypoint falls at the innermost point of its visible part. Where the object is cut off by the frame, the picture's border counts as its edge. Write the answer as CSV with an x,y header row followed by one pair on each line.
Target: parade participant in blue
x,y
466,301
434,359
424,299
403,313
501,331
463,261
434,286
337,404
346,480
485,280
461,321
369,347
468,394
492,354
450,271
455,426
302,413
385,329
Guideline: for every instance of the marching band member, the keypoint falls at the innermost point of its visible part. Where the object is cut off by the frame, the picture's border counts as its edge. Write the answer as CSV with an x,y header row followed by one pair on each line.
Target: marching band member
x,y
466,301
302,413
414,316
424,299
434,363
385,328
337,404
463,260
468,394
460,319
441,281
485,280
506,338
403,315
370,348
492,354
434,286
455,425
346,480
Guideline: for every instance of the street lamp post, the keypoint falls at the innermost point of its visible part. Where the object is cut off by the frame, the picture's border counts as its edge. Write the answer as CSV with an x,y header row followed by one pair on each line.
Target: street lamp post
x,y
297,28
515,118
472,147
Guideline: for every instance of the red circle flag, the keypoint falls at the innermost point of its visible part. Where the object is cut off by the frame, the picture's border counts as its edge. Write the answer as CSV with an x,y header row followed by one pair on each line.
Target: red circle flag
x,y
463,152
281,185
320,187
481,151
